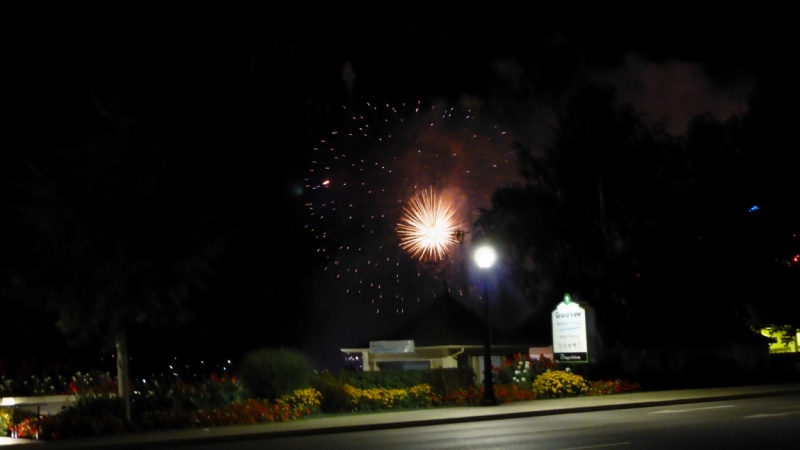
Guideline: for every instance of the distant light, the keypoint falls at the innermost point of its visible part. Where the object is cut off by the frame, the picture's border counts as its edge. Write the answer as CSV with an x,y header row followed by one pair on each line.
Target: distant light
x,y
754,208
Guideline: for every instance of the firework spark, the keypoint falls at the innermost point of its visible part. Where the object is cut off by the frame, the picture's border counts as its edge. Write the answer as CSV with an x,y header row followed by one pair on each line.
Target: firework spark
x,y
361,177
429,227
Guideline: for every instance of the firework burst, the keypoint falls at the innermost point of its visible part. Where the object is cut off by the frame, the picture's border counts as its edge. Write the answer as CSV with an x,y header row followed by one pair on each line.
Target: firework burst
x,y
361,177
429,227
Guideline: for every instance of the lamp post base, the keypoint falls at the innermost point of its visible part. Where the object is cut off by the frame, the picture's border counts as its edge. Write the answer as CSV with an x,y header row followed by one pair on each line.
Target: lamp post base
x,y
488,392
490,401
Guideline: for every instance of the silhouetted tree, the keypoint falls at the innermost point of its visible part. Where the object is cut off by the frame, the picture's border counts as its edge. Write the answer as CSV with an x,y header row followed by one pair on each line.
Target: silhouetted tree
x,y
596,212
643,224
110,245
744,197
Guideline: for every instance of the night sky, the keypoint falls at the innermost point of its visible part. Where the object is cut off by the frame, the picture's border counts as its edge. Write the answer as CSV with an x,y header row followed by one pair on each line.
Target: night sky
x,y
249,103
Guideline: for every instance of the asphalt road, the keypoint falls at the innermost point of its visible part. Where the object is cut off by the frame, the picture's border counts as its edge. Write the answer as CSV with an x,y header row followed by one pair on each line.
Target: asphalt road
x,y
753,423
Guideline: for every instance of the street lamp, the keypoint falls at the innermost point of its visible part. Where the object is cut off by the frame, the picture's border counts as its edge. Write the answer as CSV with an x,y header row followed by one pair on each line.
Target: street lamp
x,y
485,257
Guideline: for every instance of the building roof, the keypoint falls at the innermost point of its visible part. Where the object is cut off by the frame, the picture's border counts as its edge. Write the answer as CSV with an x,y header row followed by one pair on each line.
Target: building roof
x,y
445,321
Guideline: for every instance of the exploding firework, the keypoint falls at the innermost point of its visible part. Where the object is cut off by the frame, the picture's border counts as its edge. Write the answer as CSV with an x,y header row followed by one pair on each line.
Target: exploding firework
x,y
429,227
362,173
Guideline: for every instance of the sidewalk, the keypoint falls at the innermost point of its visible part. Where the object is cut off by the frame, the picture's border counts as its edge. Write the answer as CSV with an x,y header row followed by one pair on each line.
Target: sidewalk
x,y
400,419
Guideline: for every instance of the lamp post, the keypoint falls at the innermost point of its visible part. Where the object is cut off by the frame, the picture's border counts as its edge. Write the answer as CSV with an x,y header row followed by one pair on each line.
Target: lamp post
x,y
485,257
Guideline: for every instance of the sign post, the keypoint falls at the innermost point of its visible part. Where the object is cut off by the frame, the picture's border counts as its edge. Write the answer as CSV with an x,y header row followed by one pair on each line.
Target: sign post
x,y
572,324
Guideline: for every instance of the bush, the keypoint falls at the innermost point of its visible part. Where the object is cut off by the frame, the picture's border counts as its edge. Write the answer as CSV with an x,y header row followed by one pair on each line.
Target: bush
x,y
378,399
273,373
383,379
335,397
446,381
5,421
559,384
203,393
512,392
442,381
610,387
522,370
89,415
517,370
470,396
100,414
307,400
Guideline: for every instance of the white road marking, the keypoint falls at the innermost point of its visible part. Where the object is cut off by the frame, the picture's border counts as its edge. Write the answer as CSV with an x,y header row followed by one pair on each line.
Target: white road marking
x,y
596,446
668,411
759,416
789,407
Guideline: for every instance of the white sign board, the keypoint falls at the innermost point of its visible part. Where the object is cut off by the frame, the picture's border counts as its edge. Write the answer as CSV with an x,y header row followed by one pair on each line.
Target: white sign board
x,y
391,346
569,332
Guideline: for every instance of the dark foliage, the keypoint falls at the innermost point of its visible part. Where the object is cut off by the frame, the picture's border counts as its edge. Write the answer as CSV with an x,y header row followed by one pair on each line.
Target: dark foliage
x,y
273,373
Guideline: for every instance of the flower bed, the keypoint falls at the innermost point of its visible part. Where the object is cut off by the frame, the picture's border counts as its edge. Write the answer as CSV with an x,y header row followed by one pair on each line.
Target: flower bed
x,y
377,399
609,387
168,403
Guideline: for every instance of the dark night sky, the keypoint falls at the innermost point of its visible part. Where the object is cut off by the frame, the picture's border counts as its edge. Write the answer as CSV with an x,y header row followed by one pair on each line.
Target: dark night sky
x,y
248,98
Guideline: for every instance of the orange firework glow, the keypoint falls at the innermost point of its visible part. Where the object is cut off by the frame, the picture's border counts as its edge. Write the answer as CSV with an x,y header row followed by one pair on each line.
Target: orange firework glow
x,y
429,227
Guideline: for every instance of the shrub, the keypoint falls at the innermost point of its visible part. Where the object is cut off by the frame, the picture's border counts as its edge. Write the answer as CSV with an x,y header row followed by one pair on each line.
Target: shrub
x,y
443,382
273,373
385,379
512,392
26,428
335,397
90,414
521,369
559,384
307,400
422,396
517,370
378,399
470,396
102,414
541,365
609,387
204,393
5,421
